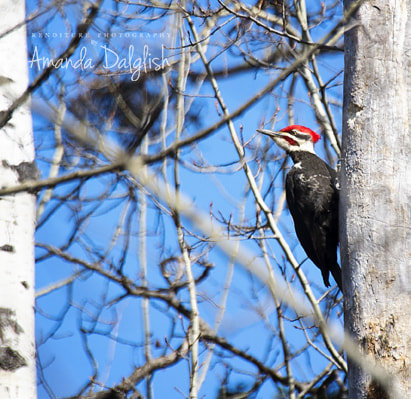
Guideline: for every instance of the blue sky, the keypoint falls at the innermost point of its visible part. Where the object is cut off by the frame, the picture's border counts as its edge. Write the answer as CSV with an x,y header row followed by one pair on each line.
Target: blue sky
x,y
66,365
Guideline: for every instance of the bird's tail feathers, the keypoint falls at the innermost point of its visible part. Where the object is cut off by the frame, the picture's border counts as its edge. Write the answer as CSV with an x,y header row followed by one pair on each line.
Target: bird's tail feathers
x,y
336,272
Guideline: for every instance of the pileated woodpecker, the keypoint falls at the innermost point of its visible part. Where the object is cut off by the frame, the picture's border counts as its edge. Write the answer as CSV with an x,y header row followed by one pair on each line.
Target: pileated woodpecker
x,y
312,198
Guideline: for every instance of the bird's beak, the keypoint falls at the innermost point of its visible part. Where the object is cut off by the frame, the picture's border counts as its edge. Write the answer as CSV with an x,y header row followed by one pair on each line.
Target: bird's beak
x,y
270,133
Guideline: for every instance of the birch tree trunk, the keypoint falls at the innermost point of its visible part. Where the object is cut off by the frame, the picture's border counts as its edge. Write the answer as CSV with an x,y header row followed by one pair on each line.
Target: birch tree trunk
x,y
17,215
376,195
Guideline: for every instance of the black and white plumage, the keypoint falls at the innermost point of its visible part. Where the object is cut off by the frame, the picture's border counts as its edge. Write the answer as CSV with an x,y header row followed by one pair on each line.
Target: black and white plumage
x,y
312,198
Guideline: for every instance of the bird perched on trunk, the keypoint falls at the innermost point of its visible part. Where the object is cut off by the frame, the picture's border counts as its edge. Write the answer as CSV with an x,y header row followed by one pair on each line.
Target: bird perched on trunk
x,y
312,198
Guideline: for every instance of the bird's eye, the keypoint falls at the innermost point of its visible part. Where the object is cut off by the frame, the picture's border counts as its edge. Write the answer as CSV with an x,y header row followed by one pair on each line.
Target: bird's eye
x,y
293,132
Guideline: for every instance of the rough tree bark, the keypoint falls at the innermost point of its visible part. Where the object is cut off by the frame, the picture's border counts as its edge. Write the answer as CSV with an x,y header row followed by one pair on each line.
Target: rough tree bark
x,y
376,194
17,215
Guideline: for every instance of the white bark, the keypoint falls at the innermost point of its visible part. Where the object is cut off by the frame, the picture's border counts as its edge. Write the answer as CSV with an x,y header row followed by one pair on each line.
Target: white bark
x,y
17,216
376,195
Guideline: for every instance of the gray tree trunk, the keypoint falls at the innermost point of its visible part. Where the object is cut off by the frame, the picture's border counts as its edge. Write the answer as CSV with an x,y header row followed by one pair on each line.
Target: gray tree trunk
x,y
376,194
17,215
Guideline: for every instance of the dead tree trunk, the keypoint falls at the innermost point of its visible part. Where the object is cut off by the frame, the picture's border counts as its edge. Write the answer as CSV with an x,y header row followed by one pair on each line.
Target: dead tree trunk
x,y
376,194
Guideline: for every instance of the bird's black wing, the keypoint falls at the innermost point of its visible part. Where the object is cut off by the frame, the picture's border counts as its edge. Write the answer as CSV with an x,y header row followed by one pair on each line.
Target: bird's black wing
x,y
313,202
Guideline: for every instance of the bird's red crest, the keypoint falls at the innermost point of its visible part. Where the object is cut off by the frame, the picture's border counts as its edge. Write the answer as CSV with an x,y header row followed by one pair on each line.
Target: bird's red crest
x,y
315,136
